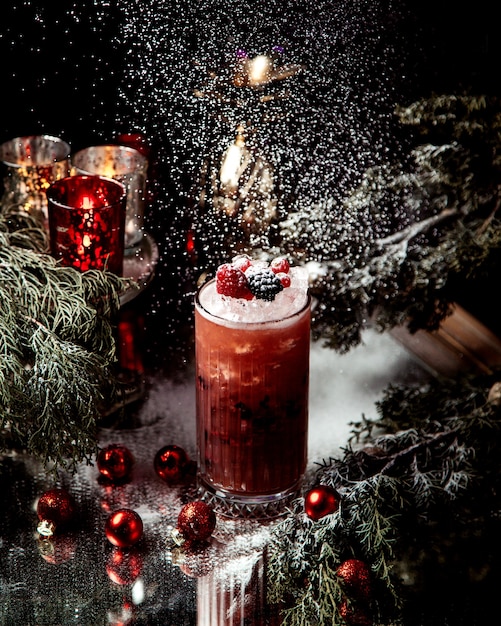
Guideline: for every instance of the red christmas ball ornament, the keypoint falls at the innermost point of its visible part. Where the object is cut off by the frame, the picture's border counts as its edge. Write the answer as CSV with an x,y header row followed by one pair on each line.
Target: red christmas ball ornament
x,y
355,578
124,566
196,521
124,528
55,508
321,501
171,463
115,463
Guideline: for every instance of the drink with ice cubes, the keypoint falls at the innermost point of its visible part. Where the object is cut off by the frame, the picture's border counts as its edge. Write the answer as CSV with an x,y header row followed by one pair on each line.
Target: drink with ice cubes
x,y
252,374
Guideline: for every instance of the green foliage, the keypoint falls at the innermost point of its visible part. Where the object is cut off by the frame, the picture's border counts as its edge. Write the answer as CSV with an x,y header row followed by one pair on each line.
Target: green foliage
x,y
57,347
404,242
419,477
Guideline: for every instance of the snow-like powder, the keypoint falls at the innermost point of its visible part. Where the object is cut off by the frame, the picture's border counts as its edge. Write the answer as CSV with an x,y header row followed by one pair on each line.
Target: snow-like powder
x,y
286,303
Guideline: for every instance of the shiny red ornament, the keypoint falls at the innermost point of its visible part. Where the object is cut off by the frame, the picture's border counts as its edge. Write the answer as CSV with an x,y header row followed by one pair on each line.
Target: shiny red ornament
x,y
171,463
124,528
321,501
196,521
115,463
124,566
55,508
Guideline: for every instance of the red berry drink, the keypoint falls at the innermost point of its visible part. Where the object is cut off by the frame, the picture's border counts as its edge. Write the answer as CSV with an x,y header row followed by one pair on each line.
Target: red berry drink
x,y
252,371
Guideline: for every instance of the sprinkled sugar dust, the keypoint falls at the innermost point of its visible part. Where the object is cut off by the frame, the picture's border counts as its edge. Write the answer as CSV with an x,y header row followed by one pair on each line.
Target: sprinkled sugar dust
x,y
328,116
320,127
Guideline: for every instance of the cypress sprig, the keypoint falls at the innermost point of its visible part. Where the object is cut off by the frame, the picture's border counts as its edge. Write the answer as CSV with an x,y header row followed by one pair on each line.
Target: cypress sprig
x,y
414,231
57,348
421,475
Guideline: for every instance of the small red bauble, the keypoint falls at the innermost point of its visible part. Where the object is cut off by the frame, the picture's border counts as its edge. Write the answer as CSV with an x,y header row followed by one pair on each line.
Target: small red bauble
x,y
170,463
355,579
320,501
124,528
124,566
115,463
196,521
55,508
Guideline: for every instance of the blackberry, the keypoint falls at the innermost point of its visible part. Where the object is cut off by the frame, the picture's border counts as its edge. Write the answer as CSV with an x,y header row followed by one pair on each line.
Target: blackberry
x,y
264,284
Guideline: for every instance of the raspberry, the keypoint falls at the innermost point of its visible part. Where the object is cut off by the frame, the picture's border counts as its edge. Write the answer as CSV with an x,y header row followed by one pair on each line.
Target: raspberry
x,y
280,265
242,261
285,279
231,281
264,284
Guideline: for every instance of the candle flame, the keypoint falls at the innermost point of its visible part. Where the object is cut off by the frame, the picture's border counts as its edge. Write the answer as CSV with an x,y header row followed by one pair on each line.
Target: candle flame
x,y
232,160
259,70
231,165
109,171
86,202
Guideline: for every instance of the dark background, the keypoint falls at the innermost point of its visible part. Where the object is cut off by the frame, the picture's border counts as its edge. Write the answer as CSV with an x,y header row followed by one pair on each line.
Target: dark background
x,y
61,68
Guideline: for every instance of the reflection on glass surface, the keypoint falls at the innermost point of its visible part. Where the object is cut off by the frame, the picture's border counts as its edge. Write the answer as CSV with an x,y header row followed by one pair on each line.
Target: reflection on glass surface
x,y
78,578
233,591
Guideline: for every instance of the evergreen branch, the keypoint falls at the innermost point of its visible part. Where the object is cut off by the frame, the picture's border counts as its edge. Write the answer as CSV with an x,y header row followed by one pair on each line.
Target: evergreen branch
x,y
414,232
400,457
414,474
416,229
57,349
24,229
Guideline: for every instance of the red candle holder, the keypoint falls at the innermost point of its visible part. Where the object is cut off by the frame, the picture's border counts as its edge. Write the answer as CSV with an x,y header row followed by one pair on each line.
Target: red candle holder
x,y
87,222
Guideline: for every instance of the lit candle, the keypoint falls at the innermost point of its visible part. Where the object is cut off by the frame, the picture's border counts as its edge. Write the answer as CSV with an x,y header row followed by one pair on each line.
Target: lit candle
x,y
231,163
259,70
86,222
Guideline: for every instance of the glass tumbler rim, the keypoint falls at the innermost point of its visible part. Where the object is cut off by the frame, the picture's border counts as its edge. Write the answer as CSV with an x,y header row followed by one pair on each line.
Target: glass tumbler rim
x,y
273,322
140,160
56,200
61,152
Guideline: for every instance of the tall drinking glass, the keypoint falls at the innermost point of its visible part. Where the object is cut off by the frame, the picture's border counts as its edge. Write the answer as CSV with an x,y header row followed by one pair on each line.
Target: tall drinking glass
x,y
252,377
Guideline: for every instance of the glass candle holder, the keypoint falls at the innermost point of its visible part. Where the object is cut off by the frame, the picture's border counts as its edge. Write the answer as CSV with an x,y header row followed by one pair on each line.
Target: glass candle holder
x,y
86,222
31,164
252,406
128,166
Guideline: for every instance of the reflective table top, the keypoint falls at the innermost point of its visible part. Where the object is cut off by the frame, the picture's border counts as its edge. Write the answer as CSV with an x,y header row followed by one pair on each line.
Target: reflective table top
x,y
78,578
